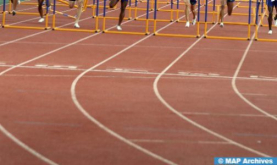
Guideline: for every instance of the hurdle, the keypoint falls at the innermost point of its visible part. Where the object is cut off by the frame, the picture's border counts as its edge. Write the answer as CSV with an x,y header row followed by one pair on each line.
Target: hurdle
x,y
74,29
4,25
257,28
146,32
249,24
197,35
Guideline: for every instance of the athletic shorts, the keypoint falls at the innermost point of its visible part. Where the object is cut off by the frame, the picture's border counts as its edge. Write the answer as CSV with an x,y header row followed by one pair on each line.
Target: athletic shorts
x,y
72,0
223,2
270,3
124,0
193,2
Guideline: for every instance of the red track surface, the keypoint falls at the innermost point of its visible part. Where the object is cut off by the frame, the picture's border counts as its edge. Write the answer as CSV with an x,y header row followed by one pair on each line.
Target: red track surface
x,y
38,109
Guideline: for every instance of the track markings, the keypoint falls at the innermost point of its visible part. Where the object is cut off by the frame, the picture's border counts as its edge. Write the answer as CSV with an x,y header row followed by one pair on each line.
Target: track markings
x,y
221,114
67,67
179,141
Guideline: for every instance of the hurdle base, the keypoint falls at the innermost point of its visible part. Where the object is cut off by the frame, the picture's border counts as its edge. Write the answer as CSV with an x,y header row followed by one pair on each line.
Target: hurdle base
x,y
25,27
121,32
74,30
175,35
266,40
227,38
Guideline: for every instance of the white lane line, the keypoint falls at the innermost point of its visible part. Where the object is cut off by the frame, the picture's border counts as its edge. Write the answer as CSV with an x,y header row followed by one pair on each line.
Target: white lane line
x,y
156,90
221,114
136,72
235,77
29,149
17,141
101,126
178,141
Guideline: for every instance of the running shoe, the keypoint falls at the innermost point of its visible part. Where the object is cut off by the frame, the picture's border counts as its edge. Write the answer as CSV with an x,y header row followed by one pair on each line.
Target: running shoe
x,y
221,24
118,28
41,20
76,25
14,12
194,21
270,32
187,24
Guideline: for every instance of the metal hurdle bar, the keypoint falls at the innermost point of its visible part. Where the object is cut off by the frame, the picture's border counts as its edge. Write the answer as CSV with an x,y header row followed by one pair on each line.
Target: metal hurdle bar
x,y
231,38
4,25
257,27
179,35
125,32
76,30
171,10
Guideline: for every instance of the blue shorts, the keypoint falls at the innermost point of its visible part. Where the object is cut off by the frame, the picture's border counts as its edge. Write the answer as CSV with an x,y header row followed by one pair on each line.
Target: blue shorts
x,y
271,4
193,2
230,0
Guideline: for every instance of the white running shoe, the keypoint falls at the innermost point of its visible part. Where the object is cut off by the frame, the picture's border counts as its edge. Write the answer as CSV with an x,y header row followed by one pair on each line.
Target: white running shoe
x,y
187,24
275,22
118,28
76,25
270,32
221,24
194,21
41,20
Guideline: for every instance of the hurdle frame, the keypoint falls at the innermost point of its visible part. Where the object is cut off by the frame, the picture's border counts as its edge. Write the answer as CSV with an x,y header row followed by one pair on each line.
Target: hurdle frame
x,y
96,30
4,25
232,23
126,32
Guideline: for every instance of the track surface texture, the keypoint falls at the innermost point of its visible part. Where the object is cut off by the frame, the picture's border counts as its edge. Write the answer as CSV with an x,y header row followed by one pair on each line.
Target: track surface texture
x,y
77,98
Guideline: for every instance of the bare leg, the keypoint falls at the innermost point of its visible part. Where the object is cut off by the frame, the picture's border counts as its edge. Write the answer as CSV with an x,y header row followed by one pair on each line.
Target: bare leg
x,y
187,6
270,12
221,13
71,4
230,7
40,10
192,8
122,12
14,2
79,10
113,3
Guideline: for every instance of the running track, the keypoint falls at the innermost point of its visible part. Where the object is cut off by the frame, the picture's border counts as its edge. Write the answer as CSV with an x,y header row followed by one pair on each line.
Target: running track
x,y
126,99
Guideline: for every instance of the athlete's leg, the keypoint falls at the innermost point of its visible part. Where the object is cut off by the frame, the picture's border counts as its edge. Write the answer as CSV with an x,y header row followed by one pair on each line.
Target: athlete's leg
x,y
270,12
40,10
14,2
113,3
221,14
79,12
230,7
192,8
124,4
71,4
187,7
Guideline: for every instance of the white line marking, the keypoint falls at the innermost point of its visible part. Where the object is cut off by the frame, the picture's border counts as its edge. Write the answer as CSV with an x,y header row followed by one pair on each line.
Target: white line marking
x,y
32,151
79,106
169,75
235,77
178,141
41,65
220,114
82,110
155,87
